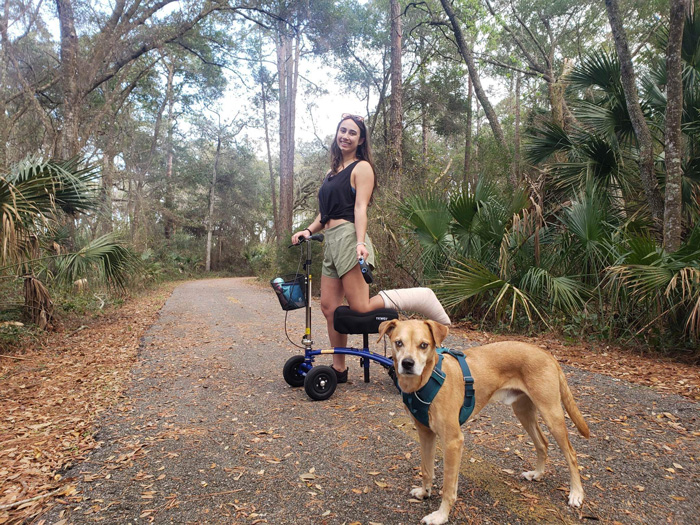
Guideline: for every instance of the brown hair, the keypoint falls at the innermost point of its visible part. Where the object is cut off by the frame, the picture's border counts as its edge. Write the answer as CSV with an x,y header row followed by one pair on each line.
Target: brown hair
x,y
364,150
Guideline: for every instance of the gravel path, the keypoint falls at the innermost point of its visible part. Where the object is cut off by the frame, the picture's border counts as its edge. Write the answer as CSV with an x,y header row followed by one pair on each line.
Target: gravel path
x,y
209,432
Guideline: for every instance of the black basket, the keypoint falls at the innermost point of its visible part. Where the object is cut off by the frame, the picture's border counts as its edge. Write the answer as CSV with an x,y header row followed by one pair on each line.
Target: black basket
x,y
290,290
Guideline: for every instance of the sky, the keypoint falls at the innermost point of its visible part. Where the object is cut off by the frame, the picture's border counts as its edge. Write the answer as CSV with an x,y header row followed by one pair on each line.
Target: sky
x,y
318,117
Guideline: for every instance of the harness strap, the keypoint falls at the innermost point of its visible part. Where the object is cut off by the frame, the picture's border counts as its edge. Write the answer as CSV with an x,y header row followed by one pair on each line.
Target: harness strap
x,y
469,398
419,402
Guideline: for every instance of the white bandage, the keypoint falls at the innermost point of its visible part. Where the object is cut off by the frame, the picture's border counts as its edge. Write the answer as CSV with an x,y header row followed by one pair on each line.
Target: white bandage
x,y
421,300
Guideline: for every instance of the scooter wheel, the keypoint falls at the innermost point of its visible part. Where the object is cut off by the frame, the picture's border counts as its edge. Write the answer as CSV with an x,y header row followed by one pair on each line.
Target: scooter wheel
x,y
320,383
291,372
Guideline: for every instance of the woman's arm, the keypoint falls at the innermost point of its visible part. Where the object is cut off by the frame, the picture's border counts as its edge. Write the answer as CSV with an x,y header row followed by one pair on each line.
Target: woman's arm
x,y
363,183
314,227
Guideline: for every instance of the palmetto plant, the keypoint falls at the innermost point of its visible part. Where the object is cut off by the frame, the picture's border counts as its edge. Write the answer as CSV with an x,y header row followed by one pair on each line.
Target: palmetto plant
x,y
664,287
492,254
607,235
34,195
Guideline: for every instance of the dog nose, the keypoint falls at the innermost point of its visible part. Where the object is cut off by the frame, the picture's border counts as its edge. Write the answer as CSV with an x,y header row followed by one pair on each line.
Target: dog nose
x,y
407,364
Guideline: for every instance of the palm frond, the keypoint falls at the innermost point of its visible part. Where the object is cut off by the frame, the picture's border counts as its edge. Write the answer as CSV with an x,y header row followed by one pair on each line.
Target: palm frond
x,y
469,278
105,257
545,141
565,293
430,219
600,70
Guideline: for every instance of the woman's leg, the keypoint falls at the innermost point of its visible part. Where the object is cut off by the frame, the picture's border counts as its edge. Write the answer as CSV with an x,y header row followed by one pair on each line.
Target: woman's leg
x,y
332,294
357,292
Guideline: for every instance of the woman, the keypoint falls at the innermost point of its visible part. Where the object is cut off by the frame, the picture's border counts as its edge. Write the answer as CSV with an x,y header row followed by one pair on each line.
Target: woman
x,y
343,201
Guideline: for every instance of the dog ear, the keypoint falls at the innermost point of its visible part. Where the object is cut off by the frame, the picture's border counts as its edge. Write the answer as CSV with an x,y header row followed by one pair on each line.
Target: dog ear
x,y
386,328
438,330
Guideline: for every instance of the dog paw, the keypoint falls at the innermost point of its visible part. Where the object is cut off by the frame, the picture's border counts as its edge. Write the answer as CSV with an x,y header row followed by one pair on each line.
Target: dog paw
x,y
576,499
420,493
532,475
436,518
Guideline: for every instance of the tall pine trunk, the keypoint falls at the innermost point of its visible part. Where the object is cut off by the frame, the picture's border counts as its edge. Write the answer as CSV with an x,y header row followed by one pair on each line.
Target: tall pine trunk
x,y
468,138
288,49
396,109
108,154
212,196
673,206
273,191
639,124
69,135
169,190
516,139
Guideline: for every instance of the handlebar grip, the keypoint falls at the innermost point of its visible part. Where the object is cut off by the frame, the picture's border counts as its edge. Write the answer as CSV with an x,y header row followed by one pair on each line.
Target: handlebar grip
x,y
315,237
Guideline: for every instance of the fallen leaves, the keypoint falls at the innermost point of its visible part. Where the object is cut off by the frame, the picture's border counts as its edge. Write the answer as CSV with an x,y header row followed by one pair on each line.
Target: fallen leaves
x,y
52,396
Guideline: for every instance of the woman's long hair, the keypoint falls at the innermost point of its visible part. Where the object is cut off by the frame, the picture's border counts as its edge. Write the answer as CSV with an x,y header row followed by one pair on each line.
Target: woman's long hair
x,y
364,150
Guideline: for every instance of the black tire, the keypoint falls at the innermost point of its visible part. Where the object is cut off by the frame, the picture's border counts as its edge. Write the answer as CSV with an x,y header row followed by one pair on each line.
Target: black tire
x,y
392,374
291,371
320,383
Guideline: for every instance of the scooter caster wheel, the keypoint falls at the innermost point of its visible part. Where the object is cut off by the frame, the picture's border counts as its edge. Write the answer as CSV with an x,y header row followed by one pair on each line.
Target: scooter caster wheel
x,y
291,372
320,383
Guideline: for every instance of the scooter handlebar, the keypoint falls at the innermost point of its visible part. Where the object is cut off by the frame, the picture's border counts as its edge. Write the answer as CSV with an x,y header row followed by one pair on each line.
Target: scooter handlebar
x,y
315,237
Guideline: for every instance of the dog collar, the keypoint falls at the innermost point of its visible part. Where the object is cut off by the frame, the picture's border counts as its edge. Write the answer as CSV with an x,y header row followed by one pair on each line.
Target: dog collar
x,y
418,402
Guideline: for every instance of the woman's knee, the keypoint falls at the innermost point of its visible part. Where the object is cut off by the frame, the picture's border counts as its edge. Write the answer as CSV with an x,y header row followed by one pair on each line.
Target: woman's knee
x,y
359,304
327,309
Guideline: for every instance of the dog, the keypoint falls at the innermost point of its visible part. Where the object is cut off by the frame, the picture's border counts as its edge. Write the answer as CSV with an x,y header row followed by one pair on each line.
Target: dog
x,y
519,374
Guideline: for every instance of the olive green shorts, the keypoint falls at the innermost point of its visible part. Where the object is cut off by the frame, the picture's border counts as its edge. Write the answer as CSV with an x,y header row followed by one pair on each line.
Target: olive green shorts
x,y
340,252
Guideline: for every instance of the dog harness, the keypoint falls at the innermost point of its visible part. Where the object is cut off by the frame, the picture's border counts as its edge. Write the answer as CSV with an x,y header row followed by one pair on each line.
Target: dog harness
x,y
418,402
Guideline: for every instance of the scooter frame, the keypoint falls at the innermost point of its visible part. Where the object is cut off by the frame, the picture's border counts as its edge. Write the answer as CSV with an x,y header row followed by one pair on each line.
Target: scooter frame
x,y
321,381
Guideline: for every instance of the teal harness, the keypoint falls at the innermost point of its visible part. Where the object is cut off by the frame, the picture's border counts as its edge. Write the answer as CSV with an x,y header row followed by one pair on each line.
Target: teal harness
x,y
419,402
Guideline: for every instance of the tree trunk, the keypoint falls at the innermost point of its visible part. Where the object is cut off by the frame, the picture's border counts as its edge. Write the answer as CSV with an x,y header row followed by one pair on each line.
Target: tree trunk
x,y
673,218
424,134
468,138
108,154
212,195
516,139
4,59
639,124
69,141
169,199
468,57
396,110
288,48
273,192
556,101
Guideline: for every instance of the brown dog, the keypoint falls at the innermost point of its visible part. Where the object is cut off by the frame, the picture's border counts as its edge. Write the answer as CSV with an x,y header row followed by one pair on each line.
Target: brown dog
x,y
519,374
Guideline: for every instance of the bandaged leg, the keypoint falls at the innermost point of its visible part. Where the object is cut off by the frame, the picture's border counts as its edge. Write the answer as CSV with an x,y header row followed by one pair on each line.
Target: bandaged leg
x,y
421,300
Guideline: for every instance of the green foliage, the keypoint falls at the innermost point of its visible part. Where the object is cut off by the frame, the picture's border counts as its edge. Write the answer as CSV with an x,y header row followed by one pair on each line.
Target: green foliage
x,y
33,196
573,270
112,262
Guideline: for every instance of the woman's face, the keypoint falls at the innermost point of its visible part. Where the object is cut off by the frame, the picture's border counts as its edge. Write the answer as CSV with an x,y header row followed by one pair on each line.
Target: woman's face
x,y
348,136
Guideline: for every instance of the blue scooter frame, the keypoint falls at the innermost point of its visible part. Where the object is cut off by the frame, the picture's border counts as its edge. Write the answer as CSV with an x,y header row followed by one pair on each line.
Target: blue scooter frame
x,y
320,381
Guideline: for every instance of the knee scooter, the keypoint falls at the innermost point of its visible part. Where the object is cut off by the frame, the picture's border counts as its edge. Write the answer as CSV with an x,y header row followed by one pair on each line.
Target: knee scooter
x,y
320,381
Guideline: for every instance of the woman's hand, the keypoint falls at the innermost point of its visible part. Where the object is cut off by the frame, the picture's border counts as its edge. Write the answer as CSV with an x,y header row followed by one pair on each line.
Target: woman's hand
x,y
362,252
300,235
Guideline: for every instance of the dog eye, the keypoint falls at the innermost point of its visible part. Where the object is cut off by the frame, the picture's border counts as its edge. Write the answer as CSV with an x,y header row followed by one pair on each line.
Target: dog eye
x,y
423,346
398,343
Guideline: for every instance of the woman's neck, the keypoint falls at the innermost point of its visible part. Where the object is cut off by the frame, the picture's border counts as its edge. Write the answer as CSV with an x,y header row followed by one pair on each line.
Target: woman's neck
x,y
349,159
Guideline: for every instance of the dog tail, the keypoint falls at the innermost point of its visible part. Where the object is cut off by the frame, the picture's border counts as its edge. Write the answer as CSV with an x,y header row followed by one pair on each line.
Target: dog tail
x,y
570,405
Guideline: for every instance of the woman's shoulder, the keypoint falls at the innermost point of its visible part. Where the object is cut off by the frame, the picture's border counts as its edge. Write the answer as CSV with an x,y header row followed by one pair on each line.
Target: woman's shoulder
x,y
362,167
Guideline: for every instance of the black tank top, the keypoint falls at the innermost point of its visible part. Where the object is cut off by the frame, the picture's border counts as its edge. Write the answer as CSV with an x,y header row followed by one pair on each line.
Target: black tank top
x,y
336,198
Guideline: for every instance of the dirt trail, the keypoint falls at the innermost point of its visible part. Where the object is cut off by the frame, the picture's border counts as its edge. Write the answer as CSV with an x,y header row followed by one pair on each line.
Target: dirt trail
x,y
210,433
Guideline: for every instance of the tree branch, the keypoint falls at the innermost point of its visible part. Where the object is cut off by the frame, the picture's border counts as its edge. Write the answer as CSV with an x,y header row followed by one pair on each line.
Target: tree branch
x,y
531,59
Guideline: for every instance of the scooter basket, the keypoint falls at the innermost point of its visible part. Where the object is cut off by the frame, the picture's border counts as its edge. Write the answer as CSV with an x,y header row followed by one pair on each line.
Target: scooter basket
x,y
290,290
